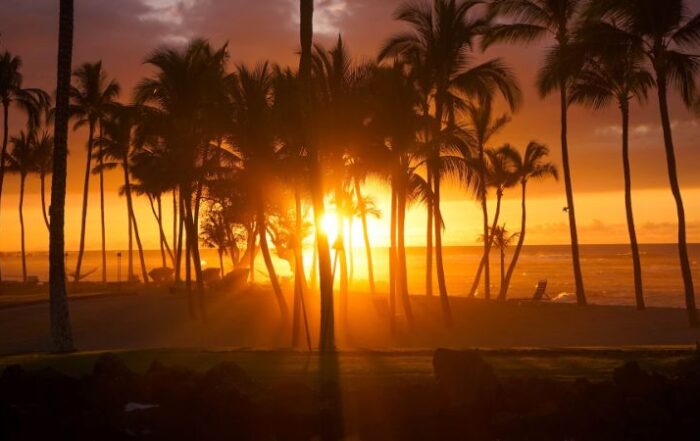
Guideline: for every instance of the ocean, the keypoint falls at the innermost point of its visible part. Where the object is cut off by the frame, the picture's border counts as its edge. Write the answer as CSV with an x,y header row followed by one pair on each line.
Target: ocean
x,y
607,270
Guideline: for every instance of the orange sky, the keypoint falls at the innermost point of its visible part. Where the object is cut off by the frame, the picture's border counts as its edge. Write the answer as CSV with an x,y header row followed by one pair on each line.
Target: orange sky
x,y
122,32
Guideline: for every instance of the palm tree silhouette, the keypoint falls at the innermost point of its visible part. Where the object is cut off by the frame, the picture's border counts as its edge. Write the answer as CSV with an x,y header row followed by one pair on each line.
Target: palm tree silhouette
x,y
116,150
528,166
502,240
442,37
43,158
92,98
484,126
531,20
251,135
12,94
664,31
61,332
614,72
21,160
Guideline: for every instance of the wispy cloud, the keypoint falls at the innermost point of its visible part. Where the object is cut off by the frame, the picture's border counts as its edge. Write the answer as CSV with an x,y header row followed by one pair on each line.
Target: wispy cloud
x,y
172,13
327,15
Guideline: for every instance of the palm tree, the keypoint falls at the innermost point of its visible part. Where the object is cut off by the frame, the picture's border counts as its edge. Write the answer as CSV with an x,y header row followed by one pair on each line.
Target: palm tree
x,y
115,150
182,106
21,161
442,37
31,101
327,326
93,96
497,171
502,240
43,157
614,72
484,126
528,166
531,20
251,135
664,30
61,332
214,234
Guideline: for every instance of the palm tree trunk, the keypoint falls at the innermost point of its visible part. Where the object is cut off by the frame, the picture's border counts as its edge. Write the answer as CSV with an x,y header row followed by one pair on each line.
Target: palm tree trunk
x,y
221,261
252,251
102,210
42,179
489,235
86,190
61,332
341,256
327,328
484,263
175,245
365,234
194,253
3,154
178,256
393,270
521,240
636,261
676,190
350,248
444,300
429,241
503,267
578,275
130,257
134,226
267,257
299,275
160,231
22,178
401,252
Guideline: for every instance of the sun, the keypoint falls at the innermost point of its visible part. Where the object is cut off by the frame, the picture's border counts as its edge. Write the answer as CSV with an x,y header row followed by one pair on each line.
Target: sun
x,y
329,223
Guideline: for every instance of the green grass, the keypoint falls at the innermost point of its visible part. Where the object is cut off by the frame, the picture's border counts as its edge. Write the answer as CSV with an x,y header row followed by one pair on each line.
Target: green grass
x,y
270,366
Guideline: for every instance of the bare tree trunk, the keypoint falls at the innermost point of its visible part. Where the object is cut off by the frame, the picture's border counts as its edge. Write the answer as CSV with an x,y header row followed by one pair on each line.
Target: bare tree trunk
x,y
578,275
86,191
401,253
61,332
100,160
678,197
267,257
44,212
444,299
365,233
429,241
636,261
22,178
521,241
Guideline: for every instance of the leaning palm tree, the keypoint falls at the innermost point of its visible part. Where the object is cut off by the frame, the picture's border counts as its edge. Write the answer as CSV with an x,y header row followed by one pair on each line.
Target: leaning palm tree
x,y
665,31
43,157
484,125
13,94
528,21
614,73
61,332
528,166
92,97
442,36
20,160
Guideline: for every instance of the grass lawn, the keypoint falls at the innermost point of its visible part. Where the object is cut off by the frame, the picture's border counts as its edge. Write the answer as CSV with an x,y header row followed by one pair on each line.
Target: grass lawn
x,y
270,366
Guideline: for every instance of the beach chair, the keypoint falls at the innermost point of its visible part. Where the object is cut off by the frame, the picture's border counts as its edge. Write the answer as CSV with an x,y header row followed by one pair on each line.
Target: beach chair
x,y
540,292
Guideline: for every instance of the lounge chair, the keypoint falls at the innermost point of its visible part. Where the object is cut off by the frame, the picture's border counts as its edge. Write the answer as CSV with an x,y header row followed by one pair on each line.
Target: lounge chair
x,y
541,292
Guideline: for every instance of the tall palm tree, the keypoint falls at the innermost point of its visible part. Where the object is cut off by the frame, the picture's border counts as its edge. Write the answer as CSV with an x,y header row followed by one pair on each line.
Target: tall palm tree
x,y
61,332
532,20
92,98
665,31
251,135
484,125
182,104
528,166
21,161
614,72
442,36
43,157
116,150
502,240
12,93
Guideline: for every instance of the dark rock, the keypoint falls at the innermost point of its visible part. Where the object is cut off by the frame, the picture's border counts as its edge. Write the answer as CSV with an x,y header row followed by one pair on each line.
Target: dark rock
x,y
228,375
